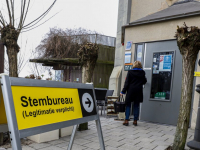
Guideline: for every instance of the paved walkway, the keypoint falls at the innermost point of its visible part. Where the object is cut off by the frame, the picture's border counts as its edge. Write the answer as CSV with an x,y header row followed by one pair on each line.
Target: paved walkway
x,y
146,136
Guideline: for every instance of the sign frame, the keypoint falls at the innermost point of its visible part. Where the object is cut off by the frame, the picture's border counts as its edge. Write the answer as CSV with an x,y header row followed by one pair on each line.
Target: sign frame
x,y
16,134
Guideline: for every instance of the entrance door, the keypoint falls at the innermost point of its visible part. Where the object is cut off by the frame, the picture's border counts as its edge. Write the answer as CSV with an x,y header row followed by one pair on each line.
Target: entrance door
x,y
162,93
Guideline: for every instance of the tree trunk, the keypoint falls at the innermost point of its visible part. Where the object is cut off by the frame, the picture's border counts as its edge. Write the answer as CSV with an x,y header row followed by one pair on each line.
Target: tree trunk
x,y
186,98
87,72
1,58
12,59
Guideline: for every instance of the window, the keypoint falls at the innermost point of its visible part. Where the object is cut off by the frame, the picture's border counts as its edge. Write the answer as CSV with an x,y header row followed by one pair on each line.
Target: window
x,y
139,53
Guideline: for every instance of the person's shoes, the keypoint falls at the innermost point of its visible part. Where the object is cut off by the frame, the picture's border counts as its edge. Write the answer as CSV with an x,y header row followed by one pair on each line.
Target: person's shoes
x,y
135,122
125,123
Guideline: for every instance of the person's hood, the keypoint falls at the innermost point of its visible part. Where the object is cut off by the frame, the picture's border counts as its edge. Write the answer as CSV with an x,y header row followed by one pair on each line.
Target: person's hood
x,y
137,73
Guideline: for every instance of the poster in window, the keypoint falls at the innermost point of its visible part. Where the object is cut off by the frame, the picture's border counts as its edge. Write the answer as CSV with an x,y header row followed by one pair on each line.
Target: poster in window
x,y
128,45
165,63
127,57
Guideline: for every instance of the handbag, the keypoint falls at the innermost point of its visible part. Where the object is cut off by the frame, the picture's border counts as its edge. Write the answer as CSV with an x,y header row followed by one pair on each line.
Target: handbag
x,y
119,105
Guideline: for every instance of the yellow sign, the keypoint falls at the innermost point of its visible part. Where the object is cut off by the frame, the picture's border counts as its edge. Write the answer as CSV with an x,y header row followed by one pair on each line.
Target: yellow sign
x,y
38,106
3,119
197,74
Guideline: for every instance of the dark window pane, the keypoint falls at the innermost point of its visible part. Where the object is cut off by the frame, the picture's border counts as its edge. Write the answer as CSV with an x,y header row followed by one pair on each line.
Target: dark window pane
x,y
161,75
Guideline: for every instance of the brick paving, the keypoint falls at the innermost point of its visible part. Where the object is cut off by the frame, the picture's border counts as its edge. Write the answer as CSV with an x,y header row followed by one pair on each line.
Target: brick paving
x,y
145,136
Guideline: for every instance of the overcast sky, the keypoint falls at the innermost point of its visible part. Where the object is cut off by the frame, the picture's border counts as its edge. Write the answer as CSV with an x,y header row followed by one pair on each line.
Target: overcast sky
x,y
98,15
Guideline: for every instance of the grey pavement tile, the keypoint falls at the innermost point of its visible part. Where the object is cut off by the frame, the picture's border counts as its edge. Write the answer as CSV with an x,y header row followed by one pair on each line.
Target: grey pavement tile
x,y
142,131
129,147
156,134
143,135
89,137
27,148
131,141
116,138
114,143
55,142
81,141
142,139
96,139
161,143
66,138
163,138
23,148
64,144
52,148
160,148
39,145
130,136
146,145
168,136
93,145
76,147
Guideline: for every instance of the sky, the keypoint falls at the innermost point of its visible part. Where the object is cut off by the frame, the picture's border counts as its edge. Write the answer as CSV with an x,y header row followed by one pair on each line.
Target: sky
x,y
98,15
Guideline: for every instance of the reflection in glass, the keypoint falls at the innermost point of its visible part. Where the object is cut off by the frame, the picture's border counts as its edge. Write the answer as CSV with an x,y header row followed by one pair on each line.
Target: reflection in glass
x,y
161,75
139,53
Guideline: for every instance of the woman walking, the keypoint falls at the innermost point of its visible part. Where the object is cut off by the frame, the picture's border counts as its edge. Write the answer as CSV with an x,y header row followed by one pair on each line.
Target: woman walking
x,y
133,88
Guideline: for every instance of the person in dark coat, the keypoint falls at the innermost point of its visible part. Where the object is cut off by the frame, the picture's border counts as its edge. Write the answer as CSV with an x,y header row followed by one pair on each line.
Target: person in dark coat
x,y
133,88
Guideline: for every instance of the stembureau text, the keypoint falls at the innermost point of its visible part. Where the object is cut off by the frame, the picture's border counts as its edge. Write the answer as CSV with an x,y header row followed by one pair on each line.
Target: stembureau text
x,y
44,101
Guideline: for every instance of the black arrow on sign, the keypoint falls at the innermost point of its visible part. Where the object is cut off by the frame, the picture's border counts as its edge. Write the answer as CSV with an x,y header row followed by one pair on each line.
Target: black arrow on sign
x,y
88,102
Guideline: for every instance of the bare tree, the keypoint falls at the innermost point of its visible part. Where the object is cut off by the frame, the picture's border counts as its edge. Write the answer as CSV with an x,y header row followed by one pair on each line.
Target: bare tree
x,y
12,27
88,55
188,40
59,43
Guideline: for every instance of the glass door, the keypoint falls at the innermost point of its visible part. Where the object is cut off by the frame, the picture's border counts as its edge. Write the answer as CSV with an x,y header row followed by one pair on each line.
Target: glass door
x,y
162,71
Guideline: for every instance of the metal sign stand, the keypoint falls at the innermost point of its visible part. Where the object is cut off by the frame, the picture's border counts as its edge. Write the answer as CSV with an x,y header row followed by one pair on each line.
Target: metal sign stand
x,y
16,134
72,137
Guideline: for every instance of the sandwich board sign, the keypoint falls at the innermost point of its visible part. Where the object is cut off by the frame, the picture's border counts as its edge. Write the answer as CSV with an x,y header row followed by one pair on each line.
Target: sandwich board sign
x,y
37,106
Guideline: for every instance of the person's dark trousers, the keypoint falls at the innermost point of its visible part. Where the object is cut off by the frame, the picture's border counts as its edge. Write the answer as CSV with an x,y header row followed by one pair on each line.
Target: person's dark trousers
x,y
128,110
136,110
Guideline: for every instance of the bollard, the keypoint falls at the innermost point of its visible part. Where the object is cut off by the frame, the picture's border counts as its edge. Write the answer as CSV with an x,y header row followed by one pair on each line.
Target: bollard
x,y
195,144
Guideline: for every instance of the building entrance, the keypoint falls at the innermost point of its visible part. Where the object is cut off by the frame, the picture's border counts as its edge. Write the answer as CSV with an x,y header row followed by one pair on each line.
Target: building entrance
x,y
163,66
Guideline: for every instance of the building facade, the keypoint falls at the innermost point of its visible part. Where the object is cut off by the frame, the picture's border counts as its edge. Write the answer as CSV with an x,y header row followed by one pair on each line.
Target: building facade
x,y
150,27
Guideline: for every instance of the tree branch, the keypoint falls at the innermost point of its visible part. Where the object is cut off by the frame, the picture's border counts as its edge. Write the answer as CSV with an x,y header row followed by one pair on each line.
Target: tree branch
x,y
39,24
44,14
12,6
8,6
26,13
23,4
2,19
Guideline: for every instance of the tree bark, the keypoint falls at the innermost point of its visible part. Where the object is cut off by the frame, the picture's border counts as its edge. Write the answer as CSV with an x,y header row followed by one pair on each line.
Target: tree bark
x,y
86,77
9,37
12,59
186,98
188,41
1,58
